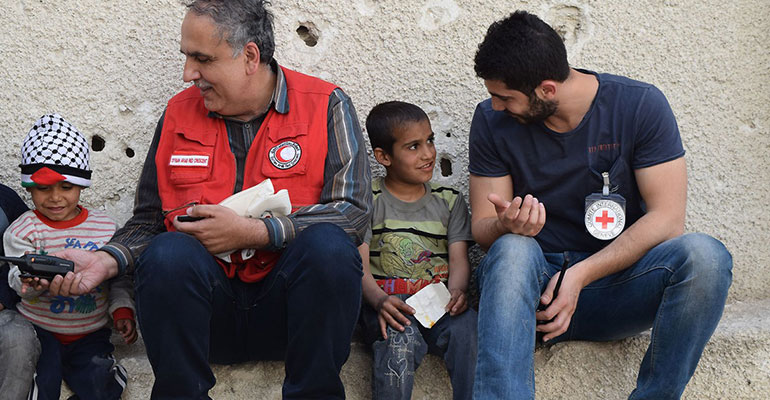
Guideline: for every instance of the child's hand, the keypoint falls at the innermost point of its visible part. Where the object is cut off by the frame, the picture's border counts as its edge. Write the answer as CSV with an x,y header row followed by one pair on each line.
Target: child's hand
x,y
458,302
127,328
34,283
390,311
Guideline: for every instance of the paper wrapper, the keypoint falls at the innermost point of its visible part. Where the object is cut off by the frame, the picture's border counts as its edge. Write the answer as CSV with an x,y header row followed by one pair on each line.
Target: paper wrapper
x,y
429,303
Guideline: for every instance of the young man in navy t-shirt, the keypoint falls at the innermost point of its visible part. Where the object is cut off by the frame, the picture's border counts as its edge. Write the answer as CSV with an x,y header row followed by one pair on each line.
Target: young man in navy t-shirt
x,y
603,154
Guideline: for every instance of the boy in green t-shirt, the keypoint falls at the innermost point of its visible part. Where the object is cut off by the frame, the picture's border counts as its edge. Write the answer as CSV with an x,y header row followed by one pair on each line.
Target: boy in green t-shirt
x,y
419,235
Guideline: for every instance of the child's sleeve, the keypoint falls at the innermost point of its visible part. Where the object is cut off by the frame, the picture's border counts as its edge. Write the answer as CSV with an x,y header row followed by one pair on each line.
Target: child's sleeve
x,y
16,246
459,227
121,298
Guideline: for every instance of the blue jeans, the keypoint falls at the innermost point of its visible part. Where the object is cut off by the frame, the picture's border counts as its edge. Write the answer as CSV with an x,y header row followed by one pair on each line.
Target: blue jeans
x,y
302,312
678,288
87,365
395,359
19,350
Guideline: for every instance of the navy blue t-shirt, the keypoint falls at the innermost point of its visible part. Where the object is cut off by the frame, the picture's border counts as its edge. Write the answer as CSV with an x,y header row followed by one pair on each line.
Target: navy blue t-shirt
x,y
630,125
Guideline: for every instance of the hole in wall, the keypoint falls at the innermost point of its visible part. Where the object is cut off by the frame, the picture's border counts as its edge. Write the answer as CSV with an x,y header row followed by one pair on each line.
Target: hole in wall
x,y
569,22
130,152
97,143
308,32
446,167
448,134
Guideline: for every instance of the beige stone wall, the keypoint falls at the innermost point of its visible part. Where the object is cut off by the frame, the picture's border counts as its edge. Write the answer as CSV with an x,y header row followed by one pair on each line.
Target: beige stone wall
x,y
109,66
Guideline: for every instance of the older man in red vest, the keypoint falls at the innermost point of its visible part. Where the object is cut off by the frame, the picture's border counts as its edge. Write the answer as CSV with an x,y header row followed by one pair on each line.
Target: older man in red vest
x,y
245,119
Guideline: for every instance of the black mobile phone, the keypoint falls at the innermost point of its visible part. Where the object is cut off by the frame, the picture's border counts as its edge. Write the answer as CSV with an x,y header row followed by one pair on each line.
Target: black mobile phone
x,y
541,306
188,218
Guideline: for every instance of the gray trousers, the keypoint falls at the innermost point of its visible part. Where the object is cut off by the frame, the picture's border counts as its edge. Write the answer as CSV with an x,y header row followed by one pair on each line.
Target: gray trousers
x,y
19,351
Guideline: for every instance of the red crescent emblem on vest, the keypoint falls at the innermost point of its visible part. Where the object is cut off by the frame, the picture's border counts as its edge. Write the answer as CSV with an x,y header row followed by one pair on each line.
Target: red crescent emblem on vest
x,y
285,155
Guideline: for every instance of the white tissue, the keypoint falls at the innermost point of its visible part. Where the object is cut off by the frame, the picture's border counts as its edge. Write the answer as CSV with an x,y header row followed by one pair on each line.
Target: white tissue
x,y
258,201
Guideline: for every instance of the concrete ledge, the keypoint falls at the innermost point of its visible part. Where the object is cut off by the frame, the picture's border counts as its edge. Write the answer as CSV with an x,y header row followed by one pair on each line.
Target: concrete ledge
x,y
735,365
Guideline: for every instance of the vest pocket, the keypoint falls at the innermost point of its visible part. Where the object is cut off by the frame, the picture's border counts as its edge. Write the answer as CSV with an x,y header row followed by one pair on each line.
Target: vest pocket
x,y
192,157
286,151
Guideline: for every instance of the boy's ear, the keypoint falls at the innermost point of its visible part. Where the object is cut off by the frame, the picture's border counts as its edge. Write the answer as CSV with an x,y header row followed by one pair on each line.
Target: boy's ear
x,y
382,157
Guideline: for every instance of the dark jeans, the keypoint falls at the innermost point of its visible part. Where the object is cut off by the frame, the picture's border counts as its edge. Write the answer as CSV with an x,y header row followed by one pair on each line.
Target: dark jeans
x,y
86,365
303,312
396,359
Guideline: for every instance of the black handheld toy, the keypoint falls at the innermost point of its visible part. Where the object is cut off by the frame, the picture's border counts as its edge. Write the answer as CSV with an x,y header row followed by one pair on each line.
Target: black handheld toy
x,y
41,266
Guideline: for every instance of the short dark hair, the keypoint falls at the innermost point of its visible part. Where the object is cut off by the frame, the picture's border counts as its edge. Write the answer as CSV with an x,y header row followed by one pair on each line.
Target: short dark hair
x,y
386,117
240,22
522,51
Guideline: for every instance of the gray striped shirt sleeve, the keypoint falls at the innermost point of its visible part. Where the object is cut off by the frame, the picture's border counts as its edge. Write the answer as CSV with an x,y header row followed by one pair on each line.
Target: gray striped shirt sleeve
x,y
346,197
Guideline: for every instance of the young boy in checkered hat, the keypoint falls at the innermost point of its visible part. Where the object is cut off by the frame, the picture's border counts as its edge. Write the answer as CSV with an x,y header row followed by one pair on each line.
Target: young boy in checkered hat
x,y
73,331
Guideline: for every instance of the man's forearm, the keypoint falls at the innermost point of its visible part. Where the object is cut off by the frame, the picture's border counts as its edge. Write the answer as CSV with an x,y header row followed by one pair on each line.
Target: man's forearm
x,y
486,231
646,233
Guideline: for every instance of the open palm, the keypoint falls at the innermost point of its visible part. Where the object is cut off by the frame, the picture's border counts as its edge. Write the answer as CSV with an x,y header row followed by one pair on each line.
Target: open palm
x,y
91,269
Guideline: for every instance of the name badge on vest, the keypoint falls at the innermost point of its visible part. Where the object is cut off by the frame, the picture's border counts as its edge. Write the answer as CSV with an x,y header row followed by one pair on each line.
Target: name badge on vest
x,y
179,160
605,215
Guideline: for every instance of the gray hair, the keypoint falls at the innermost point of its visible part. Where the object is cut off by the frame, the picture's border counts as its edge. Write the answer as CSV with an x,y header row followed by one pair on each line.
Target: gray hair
x,y
240,22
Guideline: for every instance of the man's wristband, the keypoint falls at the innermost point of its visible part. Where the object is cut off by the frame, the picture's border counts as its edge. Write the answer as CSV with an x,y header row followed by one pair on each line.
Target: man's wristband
x,y
118,256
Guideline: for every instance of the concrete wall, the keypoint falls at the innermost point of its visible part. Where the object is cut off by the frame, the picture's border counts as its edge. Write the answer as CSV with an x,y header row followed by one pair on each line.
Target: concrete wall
x,y
109,67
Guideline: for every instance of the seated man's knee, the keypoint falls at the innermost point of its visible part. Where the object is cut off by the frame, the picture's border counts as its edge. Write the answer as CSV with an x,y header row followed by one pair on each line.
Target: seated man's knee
x,y
328,251
706,258
172,264
168,255
515,249
511,258
323,240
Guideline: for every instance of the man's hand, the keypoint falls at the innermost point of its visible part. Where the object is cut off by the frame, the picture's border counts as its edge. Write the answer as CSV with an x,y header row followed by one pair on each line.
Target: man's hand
x,y
221,229
520,216
127,329
563,306
91,269
390,311
458,302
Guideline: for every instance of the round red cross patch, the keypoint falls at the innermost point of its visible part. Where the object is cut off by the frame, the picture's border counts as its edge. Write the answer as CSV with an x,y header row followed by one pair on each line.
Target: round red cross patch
x,y
285,155
605,219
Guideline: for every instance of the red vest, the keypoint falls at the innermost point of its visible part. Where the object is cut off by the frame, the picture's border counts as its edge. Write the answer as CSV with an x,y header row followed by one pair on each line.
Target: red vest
x,y
195,163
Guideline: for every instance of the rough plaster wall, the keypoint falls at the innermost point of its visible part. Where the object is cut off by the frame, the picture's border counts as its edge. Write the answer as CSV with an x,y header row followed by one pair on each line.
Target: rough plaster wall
x,y
109,67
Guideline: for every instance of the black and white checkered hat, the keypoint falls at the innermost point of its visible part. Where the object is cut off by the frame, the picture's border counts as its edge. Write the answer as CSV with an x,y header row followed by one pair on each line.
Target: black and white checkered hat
x,y
54,150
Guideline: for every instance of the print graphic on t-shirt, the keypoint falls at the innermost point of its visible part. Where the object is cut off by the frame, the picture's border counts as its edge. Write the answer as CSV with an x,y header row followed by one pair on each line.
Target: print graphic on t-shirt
x,y
409,256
